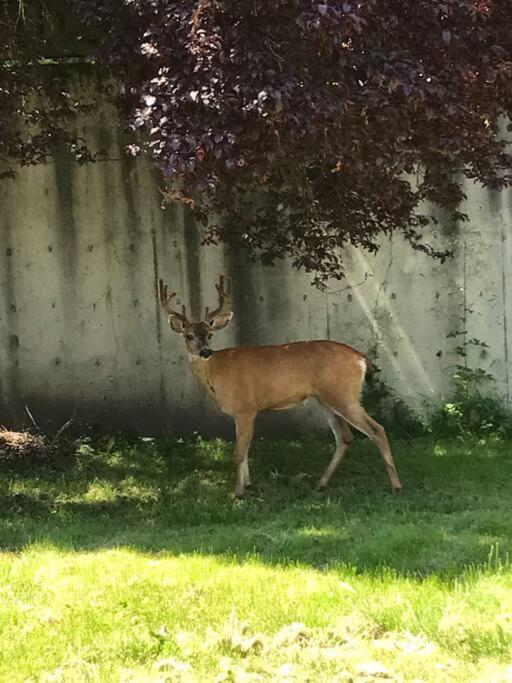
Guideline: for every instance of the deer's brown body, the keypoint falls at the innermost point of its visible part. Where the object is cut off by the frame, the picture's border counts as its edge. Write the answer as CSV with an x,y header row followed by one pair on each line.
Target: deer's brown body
x,y
255,378
244,381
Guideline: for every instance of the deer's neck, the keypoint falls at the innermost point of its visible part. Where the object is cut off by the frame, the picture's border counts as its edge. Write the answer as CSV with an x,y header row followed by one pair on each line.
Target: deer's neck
x,y
201,369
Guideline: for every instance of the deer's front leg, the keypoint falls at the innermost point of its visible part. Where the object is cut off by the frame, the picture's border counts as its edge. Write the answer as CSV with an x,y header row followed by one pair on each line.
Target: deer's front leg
x,y
244,431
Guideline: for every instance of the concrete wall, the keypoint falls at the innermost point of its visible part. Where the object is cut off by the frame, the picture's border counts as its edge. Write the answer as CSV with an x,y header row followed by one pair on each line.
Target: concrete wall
x,y
82,334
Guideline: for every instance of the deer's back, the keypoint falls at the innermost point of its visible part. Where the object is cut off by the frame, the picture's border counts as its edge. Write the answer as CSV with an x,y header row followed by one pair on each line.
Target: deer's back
x,y
253,378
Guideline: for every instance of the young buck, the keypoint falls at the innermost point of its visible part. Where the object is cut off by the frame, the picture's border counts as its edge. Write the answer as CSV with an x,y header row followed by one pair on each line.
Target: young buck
x,y
243,381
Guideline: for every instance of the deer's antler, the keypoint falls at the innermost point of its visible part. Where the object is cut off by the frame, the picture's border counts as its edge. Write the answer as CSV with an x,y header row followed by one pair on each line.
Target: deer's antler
x,y
224,293
165,301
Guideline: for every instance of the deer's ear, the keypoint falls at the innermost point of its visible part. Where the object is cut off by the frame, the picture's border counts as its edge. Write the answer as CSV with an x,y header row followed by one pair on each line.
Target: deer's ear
x,y
220,321
176,324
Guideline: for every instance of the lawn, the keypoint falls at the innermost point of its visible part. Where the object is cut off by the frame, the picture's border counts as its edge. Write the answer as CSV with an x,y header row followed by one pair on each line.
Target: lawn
x,y
133,562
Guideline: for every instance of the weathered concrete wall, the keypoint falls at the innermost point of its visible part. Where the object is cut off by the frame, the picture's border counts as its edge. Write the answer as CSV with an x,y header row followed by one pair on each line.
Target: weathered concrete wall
x,y
82,333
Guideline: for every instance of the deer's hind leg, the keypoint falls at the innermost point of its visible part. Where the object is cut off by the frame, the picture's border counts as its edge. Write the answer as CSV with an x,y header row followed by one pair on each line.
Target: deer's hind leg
x,y
356,415
343,437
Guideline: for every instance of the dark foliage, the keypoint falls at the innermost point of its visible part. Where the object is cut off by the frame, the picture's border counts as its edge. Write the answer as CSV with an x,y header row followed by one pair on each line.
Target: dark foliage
x,y
340,117
36,106
294,127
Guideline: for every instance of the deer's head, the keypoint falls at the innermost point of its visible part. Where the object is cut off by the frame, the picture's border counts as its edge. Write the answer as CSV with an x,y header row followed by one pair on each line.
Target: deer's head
x,y
197,334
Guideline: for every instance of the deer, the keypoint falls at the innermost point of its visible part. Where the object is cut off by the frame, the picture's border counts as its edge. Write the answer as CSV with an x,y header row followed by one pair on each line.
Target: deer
x,y
246,380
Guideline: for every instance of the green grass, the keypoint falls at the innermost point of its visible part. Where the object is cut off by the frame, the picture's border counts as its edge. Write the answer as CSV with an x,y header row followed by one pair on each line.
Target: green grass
x,y
135,563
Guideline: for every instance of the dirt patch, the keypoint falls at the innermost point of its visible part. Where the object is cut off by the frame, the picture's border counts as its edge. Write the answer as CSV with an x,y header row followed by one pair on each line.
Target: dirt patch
x,y
19,444
21,450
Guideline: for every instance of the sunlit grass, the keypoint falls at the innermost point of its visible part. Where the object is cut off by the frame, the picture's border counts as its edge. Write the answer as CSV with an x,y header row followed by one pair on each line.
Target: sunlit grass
x,y
135,562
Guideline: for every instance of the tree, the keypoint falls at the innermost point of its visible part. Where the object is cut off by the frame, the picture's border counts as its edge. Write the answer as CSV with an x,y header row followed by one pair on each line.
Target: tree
x,y
294,127
36,107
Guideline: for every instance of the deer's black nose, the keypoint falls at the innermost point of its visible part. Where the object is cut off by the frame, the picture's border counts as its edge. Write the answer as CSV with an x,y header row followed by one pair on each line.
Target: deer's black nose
x,y
205,353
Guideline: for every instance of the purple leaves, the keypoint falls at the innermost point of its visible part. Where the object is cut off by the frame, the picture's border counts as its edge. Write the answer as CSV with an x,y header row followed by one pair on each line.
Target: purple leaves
x,y
318,109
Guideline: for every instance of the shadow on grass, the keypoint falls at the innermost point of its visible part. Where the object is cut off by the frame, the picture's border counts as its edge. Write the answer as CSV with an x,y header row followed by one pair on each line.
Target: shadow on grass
x,y
174,497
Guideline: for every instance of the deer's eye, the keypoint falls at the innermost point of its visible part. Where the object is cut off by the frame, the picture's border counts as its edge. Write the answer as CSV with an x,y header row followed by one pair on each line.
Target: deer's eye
x,y
190,337
210,336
